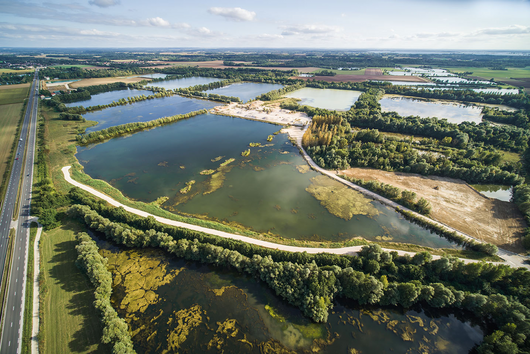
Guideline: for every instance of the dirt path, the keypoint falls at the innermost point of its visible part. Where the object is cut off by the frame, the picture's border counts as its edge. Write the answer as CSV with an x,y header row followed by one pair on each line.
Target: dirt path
x,y
515,261
456,204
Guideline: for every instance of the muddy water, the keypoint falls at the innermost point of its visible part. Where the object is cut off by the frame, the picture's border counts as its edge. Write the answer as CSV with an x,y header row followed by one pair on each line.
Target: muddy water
x,y
176,306
197,164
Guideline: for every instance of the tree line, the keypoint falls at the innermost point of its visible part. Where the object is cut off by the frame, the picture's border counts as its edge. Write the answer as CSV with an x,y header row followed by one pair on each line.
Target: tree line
x,y
115,329
129,128
497,294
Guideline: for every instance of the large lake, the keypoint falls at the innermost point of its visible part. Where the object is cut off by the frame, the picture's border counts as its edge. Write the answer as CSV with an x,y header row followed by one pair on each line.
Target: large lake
x,y
108,97
184,82
245,91
272,189
340,100
188,307
147,110
453,112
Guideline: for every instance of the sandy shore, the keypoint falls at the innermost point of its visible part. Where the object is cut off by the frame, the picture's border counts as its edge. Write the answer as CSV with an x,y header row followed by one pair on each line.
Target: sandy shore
x,y
256,110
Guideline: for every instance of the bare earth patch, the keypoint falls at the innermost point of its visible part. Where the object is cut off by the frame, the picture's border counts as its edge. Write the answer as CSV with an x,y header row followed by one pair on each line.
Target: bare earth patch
x,y
257,110
458,205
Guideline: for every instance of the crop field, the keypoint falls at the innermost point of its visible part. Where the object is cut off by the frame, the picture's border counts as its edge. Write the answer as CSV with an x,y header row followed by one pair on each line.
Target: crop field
x,y
69,296
12,71
343,72
72,66
13,93
485,73
10,114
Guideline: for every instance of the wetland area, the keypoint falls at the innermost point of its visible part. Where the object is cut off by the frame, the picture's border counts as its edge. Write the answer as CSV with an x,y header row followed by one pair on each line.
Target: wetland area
x,y
172,305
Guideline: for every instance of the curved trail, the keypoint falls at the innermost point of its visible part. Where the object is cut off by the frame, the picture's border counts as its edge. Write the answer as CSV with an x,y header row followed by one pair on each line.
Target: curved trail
x,y
344,250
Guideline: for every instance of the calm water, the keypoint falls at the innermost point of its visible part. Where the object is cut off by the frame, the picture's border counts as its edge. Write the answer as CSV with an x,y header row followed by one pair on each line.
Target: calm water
x,y
245,91
496,191
153,76
188,307
108,97
340,100
185,82
265,191
145,111
453,112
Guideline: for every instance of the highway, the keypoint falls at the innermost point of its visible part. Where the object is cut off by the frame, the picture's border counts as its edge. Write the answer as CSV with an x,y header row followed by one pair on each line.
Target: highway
x,y
13,310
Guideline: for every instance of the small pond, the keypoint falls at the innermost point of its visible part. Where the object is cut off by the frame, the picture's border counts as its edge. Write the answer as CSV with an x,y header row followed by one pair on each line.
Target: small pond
x,y
452,111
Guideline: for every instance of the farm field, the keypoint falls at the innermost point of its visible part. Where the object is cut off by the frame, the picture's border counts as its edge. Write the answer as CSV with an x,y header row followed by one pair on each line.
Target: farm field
x,y
485,73
10,115
343,72
11,104
12,71
71,309
72,66
105,80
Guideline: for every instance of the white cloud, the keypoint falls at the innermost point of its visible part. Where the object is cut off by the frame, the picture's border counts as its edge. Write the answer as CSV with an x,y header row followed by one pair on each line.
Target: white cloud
x,y
515,29
233,13
156,22
269,37
104,3
308,29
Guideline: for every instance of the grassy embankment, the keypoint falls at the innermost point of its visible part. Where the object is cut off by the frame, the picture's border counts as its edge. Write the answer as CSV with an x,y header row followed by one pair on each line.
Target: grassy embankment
x,y
66,297
11,115
28,305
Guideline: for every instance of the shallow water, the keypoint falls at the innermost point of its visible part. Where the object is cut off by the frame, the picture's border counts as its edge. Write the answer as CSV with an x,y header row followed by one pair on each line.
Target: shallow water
x,y
176,306
245,91
145,111
108,97
496,191
453,112
270,190
184,82
340,100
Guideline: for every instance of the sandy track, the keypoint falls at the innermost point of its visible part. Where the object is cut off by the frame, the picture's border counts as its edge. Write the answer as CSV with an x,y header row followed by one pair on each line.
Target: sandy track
x,y
458,205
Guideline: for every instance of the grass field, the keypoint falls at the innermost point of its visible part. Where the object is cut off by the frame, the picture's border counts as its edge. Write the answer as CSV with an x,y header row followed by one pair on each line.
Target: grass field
x,y
343,72
72,66
70,321
13,95
495,74
10,115
11,71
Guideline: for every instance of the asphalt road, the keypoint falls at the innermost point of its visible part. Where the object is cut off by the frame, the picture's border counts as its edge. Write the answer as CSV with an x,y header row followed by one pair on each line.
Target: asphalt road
x,y
13,311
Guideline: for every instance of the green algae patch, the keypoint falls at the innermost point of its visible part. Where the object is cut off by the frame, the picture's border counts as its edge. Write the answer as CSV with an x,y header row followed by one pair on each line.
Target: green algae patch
x,y
270,137
183,322
245,153
207,172
274,314
188,187
254,144
217,158
303,168
160,200
140,278
230,160
217,180
340,200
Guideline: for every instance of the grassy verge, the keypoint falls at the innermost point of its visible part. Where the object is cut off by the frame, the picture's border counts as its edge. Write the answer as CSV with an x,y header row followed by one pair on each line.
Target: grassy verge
x,y
5,276
28,305
66,297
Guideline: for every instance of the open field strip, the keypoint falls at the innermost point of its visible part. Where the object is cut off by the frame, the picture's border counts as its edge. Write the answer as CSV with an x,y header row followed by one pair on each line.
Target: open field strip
x,y
518,73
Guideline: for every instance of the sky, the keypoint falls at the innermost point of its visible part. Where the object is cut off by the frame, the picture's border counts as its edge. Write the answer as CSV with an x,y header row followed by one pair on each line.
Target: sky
x,y
333,24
